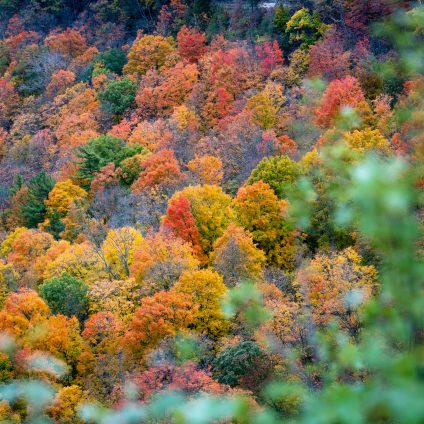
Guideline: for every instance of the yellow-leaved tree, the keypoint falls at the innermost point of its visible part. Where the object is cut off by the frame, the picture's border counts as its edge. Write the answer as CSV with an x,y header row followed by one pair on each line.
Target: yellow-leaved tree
x,y
367,139
119,247
210,208
121,297
207,291
336,285
63,196
79,260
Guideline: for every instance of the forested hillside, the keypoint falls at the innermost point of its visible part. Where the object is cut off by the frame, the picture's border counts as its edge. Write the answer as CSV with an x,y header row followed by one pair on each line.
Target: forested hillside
x,y
211,211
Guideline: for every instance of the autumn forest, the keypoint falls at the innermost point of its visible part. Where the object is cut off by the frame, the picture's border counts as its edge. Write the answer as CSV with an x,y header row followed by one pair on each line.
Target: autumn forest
x,y
211,211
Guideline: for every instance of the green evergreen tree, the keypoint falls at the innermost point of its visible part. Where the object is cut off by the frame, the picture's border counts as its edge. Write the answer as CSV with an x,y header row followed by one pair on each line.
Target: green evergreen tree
x,y
33,209
100,151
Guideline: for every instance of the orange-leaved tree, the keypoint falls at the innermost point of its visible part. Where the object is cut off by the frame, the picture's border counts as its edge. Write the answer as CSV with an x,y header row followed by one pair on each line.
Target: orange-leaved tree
x,y
150,52
160,170
160,260
21,311
340,94
206,169
161,315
